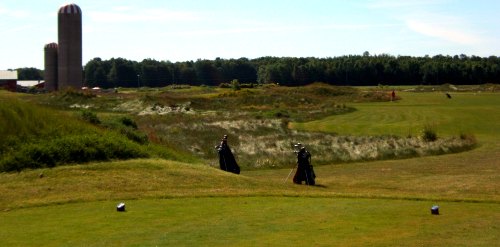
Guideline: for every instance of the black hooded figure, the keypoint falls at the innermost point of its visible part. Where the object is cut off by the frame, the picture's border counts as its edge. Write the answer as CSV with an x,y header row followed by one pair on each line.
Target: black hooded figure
x,y
226,157
305,170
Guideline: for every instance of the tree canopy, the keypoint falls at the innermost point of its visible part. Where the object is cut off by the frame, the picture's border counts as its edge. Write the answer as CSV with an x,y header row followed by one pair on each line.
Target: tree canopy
x,y
29,74
354,70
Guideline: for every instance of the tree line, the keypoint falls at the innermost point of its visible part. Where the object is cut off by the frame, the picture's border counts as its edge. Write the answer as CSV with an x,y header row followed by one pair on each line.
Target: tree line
x,y
354,70
29,74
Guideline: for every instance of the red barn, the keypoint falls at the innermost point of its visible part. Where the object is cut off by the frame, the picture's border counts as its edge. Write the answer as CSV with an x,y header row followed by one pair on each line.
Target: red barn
x,y
8,80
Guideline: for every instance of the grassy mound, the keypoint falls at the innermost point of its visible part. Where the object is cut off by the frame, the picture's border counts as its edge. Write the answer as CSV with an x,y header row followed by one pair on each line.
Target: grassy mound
x,y
72,149
35,137
131,179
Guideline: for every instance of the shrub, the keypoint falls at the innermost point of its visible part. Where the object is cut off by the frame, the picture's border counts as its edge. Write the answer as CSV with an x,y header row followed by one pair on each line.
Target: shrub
x,y
468,137
429,134
235,85
90,116
128,128
134,135
128,122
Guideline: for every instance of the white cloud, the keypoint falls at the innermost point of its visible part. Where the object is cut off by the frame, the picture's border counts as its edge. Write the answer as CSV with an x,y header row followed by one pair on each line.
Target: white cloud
x,y
448,28
432,18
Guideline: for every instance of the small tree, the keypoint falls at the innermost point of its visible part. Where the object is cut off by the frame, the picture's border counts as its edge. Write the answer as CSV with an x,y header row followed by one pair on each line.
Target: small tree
x,y
235,84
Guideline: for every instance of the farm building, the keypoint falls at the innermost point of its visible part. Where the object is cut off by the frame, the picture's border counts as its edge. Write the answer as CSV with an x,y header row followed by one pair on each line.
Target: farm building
x,y
31,83
8,80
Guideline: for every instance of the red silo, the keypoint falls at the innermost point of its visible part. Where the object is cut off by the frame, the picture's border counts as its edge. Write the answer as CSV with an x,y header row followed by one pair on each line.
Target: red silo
x,y
70,47
50,74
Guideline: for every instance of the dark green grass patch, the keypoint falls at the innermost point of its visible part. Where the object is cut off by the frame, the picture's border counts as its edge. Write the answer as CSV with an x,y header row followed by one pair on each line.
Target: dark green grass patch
x,y
71,149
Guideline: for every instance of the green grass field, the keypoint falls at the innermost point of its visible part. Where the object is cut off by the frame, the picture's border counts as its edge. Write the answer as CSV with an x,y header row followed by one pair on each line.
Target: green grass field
x,y
475,113
254,221
378,203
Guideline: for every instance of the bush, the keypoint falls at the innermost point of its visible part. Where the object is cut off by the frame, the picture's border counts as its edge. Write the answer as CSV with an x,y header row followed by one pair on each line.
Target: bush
x,y
429,134
468,137
128,122
235,85
90,116
72,149
134,135
128,128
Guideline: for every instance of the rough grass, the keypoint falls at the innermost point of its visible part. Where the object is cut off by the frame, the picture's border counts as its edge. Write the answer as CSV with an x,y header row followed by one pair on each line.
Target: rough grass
x,y
192,120
257,122
36,137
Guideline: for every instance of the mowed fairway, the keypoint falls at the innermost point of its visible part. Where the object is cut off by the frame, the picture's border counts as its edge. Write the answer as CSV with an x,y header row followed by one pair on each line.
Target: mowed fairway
x,y
475,113
382,203
254,221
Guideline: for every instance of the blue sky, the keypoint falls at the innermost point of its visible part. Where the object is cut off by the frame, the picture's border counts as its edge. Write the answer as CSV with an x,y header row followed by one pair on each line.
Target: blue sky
x,y
181,30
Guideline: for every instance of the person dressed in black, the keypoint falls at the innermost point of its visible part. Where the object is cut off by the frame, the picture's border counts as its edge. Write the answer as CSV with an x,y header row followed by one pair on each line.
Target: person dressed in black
x,y
305,170
227,161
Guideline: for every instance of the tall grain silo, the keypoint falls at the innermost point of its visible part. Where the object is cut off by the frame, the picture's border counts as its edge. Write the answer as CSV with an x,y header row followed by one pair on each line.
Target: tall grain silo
x,y
70,47
50,73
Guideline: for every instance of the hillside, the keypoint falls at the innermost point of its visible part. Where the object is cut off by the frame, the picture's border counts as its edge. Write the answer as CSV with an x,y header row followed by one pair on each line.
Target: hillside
x,y
121,180
37,137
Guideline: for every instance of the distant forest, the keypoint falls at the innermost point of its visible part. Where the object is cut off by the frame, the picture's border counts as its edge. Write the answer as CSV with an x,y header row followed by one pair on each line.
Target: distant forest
x,y
353,70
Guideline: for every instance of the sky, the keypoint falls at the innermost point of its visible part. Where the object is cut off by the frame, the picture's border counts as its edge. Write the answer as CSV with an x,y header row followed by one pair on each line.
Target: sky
x,y
184,30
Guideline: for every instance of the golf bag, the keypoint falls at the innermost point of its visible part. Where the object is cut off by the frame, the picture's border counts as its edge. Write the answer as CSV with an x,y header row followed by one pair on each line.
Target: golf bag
x,y
227,162
305,171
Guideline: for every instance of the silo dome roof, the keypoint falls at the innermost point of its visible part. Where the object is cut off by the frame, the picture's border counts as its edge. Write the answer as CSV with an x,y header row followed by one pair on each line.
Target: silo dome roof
x,y
70,9
51,45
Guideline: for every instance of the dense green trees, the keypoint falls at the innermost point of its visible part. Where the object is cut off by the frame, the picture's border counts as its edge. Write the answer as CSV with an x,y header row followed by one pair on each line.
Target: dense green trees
x,y
29,74
346,70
